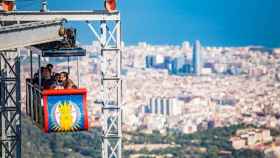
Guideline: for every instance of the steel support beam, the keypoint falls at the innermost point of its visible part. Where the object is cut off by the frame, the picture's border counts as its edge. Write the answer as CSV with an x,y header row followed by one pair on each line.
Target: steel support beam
x,y
111,56
10,108
58,15
32,33
111,86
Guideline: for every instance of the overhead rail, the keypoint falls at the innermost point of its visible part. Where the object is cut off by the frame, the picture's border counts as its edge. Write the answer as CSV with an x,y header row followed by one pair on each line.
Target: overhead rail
x,y
97,15
27,34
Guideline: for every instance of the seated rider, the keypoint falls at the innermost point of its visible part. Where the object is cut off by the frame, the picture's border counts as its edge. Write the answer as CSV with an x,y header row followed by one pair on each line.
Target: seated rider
x,y
67,82
56,82
50,67
46,78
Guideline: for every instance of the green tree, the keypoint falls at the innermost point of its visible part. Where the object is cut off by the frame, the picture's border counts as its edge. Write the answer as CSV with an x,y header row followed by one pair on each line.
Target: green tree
x,y
213,152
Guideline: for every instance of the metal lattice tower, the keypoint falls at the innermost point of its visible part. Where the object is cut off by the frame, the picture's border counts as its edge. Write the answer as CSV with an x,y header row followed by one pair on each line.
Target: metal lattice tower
x,y
10,112
111,86
111,90
106,27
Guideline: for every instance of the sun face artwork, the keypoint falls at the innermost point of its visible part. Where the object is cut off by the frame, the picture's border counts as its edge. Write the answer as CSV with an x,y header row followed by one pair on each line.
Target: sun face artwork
x,y
67,117
65,113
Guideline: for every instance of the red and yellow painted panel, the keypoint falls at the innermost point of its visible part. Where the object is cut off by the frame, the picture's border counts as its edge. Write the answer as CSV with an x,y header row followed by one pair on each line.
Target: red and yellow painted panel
x,y
65,110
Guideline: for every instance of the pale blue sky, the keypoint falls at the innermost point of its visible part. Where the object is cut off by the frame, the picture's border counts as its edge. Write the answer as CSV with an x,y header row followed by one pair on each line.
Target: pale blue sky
x,y
214,22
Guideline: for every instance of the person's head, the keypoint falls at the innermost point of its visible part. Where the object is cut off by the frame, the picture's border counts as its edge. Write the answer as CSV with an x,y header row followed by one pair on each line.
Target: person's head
x,y
56,76
50,67
45,73
63,76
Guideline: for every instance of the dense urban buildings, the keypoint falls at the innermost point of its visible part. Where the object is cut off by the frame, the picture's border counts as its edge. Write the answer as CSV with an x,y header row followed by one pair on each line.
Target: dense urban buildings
x,y
161,91
236,85
181,65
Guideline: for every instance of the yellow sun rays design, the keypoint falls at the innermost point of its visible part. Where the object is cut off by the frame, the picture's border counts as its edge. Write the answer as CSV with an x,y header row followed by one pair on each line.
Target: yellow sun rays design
x,y
66,119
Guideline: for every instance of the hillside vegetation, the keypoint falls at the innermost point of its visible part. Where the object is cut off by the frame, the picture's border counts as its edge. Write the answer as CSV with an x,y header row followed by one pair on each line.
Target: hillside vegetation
x,y
36,144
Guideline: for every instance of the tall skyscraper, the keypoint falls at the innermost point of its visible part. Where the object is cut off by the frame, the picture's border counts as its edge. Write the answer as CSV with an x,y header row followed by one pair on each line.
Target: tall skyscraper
x,y
155,61
196,61
167,62
148,61
178,64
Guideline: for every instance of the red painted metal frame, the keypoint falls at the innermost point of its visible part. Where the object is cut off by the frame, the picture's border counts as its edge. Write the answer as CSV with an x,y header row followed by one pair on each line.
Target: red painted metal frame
x,y
46,114
46,93
64,91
